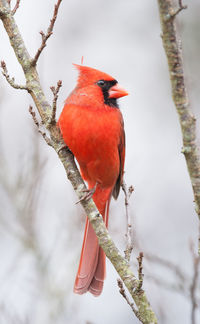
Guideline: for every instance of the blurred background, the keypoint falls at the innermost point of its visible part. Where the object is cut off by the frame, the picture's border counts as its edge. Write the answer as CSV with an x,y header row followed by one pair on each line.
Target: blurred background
x,y
41,228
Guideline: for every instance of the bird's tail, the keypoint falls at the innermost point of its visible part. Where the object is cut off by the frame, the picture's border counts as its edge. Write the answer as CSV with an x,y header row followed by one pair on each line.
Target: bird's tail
x,y
92,266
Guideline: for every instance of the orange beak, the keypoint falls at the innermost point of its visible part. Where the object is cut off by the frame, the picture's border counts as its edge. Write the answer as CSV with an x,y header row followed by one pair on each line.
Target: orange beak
x,y
117,92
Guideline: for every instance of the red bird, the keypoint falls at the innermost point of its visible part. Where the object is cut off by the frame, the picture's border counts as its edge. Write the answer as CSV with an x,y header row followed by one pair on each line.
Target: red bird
x,y
92,127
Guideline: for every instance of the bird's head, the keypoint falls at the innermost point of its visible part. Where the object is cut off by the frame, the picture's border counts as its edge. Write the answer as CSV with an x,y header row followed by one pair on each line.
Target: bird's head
x,y
100,83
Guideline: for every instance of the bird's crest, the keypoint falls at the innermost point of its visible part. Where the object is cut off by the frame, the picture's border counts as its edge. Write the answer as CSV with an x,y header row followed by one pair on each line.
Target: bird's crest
x,y
88,75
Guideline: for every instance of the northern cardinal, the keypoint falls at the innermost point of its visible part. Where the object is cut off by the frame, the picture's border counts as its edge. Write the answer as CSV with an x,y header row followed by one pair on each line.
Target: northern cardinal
x,y
92,127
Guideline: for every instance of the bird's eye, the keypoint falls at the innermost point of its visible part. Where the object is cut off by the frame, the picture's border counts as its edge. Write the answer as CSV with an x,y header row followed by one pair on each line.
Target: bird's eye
x,y
101,83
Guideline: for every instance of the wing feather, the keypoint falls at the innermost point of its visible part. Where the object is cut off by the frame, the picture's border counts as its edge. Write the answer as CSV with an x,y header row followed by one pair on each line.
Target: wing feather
x,y
121,150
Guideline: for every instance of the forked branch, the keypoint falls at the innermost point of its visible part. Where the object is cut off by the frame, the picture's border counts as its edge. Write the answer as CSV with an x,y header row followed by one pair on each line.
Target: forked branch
x,y
16,7
48,33
55,98
11,81
44,135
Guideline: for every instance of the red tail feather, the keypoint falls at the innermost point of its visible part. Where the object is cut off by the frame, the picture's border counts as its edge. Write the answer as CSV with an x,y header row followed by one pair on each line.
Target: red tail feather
x,y
92,266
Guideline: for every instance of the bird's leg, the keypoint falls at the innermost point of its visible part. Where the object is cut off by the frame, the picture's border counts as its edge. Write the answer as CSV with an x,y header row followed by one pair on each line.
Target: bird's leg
x,y
88,193
63,147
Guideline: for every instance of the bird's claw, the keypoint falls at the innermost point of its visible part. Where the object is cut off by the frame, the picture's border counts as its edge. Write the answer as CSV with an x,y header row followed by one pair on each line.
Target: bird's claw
x,y
88,195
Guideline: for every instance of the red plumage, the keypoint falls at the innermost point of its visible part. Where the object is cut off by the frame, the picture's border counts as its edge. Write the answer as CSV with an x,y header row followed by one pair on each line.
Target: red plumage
x,y
92,127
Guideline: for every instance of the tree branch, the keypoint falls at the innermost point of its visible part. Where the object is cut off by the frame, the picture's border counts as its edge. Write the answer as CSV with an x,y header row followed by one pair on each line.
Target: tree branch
x,y
11,81
172,46
46,138
129,240
129,243
123,293
194,284
173,13
48,34
55,98
145,312
16,7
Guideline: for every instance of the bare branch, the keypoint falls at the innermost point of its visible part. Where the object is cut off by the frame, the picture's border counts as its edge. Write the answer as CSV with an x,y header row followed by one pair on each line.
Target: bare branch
x,y
194,285
181,5
55,98
16,6
48,34
46,138
129,245
173,13
123,293
33,114
11,81
172,46
129,241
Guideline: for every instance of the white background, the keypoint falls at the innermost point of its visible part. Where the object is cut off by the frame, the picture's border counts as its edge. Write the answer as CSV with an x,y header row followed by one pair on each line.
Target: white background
x,y
123,39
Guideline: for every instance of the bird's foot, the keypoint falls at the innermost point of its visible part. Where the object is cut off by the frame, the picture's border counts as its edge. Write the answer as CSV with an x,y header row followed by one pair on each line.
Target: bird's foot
x,y
88,194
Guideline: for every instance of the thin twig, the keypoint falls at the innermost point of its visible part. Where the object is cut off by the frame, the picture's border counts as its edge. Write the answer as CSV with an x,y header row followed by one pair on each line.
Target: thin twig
x,y
129,248
181,7
129,244
55,98
173,13
194,285
15,7
11,81
33,114
123,293
48,34
44,135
